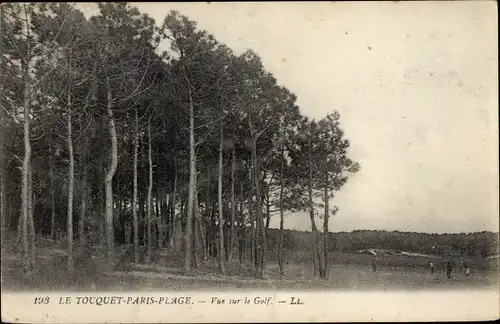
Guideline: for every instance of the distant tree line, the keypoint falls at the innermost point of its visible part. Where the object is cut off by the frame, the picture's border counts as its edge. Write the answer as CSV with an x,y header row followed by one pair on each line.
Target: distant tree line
x,y
481,244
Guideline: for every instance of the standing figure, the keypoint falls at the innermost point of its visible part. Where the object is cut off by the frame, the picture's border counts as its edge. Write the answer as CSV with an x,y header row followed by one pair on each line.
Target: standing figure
x,y
432,267
449,268
374,264
466,270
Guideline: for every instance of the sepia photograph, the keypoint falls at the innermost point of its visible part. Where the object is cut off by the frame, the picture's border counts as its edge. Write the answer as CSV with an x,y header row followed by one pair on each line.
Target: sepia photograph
x,y
165,154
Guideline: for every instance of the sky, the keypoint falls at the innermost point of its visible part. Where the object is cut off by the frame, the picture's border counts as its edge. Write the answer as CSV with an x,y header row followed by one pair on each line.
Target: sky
x,y
416,87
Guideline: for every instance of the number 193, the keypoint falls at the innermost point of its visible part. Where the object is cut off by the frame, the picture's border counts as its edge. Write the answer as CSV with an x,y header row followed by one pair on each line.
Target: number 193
x,y
41,300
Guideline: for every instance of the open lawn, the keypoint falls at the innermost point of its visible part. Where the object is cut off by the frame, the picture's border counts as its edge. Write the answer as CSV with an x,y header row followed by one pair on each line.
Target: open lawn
x,y
347,272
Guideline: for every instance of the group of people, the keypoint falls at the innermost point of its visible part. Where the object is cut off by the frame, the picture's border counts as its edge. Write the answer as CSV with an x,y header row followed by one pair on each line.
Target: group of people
x,y
449,268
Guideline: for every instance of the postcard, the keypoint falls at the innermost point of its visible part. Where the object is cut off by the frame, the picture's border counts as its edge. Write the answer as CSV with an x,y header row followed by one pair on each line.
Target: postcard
x,y
249,162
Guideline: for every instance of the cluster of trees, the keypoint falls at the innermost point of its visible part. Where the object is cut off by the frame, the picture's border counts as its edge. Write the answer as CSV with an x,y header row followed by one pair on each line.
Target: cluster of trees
x,y
478,244
107,140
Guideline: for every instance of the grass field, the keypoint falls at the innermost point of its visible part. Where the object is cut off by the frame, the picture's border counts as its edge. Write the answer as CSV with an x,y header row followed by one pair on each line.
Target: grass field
x,y
347,272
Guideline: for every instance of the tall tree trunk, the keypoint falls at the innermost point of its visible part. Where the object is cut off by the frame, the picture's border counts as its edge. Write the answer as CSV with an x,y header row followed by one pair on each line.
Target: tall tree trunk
x,y
101,220
167,211
173,224
282,219
158,218
119,218
268,213
165,215
325,229
268,201
311,205
31,222
200,229
232,238
253,241
25,198
161,214
110,235
83,203
259,222
188,235
227,228
157,201
135,219
208,237
242,236
150,194
264,229
52,197
211,229
196,241
142,217
71,178
222,265
196,226
179,241
3,209
251,218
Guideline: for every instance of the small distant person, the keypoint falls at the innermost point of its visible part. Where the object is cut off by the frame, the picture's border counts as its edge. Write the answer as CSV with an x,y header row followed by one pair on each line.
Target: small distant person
x,y
449,268
432,266
442,268
374,264
466,270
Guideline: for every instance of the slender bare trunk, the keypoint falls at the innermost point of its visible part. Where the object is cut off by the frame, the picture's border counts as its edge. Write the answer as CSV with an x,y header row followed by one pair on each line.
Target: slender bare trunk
x,y
26,193
168,221
268,214
167,210
110,235
52,197
232,239
242,236
71,178
253,242
264,229
311,205
158,219
282,219
268,202
325,229
251,218
160,199
259,223
200,229
196,226
157,202
150,193
31,221
3,214
173,224
120,220
100,236
135,219
222,265
83,204
142,216
179,226
192,169
208,237
196,241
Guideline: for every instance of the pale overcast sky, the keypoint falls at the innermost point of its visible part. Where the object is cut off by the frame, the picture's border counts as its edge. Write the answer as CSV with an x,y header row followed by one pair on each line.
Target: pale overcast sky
x,y
415,84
